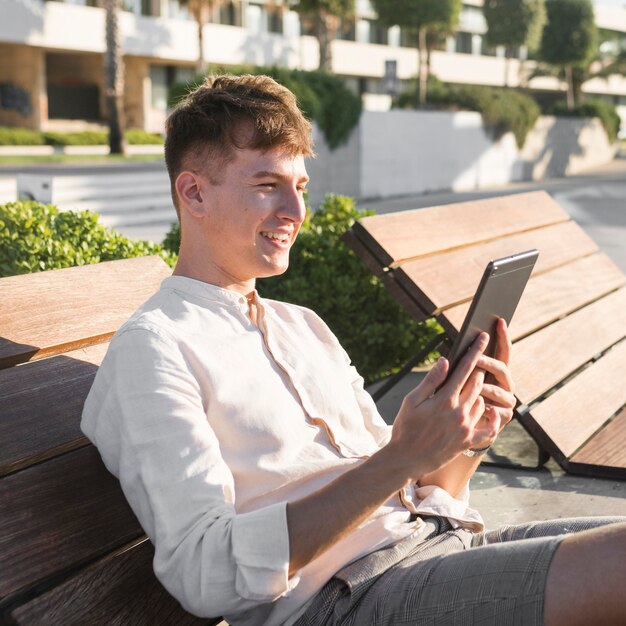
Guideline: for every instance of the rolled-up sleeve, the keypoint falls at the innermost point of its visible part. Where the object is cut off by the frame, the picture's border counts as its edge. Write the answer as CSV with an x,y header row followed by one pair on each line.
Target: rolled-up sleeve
x,y
146,414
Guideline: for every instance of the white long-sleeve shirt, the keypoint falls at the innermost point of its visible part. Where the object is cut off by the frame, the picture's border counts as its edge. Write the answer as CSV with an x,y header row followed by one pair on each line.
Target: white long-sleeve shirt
x,y
212,424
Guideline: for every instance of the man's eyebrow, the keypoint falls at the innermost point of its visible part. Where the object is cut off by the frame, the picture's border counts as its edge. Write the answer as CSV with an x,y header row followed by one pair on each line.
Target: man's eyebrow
x,y
279,175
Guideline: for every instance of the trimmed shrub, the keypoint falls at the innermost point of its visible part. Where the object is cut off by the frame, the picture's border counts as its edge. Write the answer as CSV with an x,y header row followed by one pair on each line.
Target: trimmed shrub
x,y
25,137
84,138
37,237
137,136
323,97
20,137
503,110
601,109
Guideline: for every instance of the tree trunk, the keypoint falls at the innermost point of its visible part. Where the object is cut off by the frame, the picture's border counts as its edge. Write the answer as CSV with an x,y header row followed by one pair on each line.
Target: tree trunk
x,y
201,10
324,39
507,59
422,71
114,78
570,87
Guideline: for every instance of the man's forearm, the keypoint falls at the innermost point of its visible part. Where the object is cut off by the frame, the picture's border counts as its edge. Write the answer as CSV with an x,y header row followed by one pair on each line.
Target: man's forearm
x,y
454,476
320,519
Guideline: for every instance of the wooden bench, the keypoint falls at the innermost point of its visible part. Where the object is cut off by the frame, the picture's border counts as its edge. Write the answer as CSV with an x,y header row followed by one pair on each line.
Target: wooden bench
x,y
569,355
71,550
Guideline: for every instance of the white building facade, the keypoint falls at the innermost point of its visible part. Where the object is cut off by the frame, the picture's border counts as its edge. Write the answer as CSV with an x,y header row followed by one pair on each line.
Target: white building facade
x,y
51,56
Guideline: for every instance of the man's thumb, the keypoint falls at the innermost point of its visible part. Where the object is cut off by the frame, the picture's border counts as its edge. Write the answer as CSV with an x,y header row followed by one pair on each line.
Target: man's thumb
x,y
432,380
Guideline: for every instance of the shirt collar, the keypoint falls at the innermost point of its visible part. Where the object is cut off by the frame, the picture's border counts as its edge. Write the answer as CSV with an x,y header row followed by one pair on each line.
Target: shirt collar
x,y
200,289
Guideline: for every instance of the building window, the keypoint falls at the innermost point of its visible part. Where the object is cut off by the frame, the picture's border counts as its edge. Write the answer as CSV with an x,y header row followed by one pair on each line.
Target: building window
x,y
162,78
378,33
409,38
228,15
275,20
347,30
463,43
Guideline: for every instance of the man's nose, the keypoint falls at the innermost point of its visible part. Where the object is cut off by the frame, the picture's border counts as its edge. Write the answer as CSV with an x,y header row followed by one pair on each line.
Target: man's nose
x,y
292,206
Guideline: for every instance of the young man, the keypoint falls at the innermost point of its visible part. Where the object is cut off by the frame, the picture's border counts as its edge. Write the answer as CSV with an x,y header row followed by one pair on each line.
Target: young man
x,y
272,490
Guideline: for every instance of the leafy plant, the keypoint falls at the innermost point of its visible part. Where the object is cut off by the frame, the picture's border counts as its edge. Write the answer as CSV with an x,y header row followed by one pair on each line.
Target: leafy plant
x,y
322,97
138,136
514,23
426,18
83,138
503,110
37,237
601,109
20,137
569,38
26,137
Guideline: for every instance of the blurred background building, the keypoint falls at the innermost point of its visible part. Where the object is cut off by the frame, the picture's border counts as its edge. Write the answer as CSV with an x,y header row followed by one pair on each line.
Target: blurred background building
x,y
51,56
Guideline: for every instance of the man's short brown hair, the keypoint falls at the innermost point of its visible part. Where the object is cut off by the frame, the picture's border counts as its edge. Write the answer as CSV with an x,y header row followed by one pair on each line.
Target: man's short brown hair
x,y
228,112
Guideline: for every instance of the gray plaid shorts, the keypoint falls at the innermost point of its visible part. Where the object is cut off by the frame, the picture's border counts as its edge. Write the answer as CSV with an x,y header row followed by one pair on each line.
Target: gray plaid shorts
x,y
448,577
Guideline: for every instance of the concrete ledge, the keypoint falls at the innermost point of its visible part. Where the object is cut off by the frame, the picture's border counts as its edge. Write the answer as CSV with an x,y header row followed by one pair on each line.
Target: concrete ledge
x,y
132,149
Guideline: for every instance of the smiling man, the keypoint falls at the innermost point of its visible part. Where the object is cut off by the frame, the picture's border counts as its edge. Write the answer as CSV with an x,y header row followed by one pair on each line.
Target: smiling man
x,y
271,488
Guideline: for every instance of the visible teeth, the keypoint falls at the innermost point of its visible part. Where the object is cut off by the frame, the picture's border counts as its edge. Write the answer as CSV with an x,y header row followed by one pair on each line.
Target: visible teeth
x,y
279,236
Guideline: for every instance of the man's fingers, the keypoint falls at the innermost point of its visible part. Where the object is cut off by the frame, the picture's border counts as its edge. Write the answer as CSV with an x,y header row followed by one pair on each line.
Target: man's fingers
x,y
498,396
503,342
488,428
498,370
467,365
432,380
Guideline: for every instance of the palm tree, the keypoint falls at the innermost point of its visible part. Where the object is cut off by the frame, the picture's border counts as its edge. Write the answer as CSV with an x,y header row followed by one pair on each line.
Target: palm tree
x,y
114,77
326,16
202,11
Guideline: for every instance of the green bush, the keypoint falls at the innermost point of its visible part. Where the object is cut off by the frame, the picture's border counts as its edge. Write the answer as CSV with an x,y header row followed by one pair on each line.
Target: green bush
x,y
37,237
137,136
20,137
503,110
83,138
601,109
26,137
322,97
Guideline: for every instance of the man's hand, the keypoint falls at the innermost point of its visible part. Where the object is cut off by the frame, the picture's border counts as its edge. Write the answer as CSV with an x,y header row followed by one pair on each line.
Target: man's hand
x,y
498,387
435,425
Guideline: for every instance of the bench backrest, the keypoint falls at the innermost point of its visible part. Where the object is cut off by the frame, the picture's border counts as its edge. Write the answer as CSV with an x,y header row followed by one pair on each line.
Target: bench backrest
x,y
71,550
571,314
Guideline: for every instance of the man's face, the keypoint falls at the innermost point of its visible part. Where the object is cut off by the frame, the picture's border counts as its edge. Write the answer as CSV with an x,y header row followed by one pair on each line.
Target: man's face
x,y
253,216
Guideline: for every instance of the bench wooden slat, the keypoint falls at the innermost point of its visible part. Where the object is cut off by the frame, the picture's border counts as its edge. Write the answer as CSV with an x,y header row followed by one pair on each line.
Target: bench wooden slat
x,y
555,294
573,413
70,311
58,514
452,277
551,354
119,590
42,402
413,234
606,449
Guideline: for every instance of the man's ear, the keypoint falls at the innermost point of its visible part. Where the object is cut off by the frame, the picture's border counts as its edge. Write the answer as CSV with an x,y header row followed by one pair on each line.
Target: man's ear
x,y
191,193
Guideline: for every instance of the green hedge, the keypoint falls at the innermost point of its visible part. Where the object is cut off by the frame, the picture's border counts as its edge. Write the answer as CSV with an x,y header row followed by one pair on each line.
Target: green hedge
x,y
37,237
323,97
20,137
25,137
601,109
326,276
503,110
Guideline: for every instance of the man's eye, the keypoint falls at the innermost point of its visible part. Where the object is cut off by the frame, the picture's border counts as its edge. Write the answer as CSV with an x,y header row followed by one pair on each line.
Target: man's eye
x,y
268,185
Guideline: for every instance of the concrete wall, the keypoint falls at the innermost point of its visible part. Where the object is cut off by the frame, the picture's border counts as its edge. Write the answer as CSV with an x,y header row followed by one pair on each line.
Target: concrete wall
x,y
399,153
